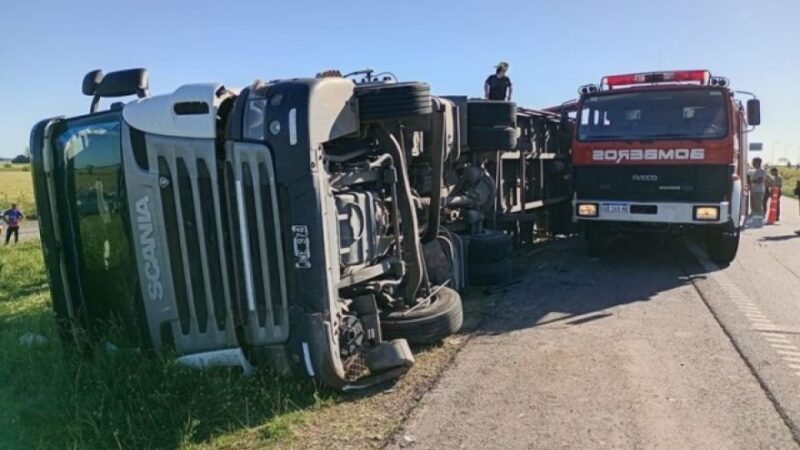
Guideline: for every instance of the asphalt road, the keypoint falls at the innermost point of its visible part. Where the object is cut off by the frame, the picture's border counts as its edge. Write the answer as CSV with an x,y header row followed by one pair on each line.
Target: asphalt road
x,y
651,346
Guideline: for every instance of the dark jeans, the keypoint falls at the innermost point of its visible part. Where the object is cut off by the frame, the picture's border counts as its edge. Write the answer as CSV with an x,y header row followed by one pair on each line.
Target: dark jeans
x,y
15,232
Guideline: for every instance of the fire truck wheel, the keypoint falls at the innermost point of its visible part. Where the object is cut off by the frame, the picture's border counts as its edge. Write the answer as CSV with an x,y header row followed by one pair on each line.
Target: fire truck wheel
x,y
426,325
491,113
489,246
492,138
722,245
490,273
595,240
392,101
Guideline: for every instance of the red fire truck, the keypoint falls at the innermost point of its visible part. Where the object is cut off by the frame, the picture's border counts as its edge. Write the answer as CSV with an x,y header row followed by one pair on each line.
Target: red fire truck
x,y
663,151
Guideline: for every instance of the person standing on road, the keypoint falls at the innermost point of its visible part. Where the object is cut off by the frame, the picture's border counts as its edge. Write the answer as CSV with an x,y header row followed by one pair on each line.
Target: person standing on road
x,y
757,181
13,217
498,86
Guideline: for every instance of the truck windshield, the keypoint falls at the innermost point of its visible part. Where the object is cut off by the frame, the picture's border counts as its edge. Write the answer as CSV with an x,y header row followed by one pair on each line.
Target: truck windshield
x,y
667,114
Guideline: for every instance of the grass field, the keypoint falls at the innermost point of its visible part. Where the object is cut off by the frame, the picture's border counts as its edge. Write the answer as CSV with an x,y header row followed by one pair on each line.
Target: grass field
x,y
16,187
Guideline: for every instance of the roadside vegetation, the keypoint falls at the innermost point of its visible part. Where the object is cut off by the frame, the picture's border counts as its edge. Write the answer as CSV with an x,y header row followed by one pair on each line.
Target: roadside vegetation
x,y
790,179
16,186
117,398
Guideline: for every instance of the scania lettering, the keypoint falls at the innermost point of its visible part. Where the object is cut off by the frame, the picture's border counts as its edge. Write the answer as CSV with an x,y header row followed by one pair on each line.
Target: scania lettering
x,y
662,150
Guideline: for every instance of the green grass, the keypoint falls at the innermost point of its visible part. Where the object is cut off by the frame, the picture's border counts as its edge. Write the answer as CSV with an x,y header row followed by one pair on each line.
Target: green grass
x,y
51,398
790,179
16,187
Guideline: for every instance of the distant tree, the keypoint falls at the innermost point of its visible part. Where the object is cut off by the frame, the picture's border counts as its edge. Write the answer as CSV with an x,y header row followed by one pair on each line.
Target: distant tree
x,y
21,159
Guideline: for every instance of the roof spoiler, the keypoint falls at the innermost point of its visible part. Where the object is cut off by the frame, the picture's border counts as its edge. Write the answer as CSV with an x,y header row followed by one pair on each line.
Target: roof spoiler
x,y
115,84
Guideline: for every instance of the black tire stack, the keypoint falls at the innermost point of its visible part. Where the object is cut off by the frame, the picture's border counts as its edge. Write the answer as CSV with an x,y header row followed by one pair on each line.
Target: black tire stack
x,y
489,262
391,101
491,125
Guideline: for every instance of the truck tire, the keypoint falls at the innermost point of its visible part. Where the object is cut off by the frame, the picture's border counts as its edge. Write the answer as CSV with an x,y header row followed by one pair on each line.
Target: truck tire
x,y
492,138
428,325
722,245
490,246
596,240
491,113
393,101
490,273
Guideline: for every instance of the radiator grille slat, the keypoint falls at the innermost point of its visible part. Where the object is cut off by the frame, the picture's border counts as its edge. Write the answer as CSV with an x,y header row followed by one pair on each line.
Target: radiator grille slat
x,y
272,238
194,258
170,215
211,243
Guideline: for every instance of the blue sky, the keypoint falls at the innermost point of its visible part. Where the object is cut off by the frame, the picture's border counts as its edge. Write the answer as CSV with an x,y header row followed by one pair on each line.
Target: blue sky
x,y
553,47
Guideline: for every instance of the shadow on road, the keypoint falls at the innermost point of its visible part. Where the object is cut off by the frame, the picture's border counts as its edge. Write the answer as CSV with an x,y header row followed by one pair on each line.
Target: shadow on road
x,y
782,237
562,287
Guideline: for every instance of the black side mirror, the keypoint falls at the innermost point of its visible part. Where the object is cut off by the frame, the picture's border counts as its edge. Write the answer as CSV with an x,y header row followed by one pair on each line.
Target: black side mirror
x,y
123,83
754,112
91,81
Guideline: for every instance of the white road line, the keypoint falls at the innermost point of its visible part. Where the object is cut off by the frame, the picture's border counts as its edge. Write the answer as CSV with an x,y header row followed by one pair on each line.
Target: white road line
x,y
782,345
777,338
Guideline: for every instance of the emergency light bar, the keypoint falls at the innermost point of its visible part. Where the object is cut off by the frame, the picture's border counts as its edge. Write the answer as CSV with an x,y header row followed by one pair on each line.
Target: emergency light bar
x,y
701,76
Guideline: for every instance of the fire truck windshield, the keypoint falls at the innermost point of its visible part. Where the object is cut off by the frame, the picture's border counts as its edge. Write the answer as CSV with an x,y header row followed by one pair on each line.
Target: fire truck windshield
x,y
651,115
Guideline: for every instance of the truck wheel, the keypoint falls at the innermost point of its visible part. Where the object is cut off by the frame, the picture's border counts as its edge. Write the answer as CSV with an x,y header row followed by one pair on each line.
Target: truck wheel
x,y
491,113
490,246
392,101
492,138
489,273
722,245
596,240
427,325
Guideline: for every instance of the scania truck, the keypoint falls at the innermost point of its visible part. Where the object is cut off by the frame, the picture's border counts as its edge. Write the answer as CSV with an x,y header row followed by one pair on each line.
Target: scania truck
x,y
663,151
310,225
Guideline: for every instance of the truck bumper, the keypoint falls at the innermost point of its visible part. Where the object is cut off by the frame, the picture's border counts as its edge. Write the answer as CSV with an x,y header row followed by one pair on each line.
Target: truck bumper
x,y
650,212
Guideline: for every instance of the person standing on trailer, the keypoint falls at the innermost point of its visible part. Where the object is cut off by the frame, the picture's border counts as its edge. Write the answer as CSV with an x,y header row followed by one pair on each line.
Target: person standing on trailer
x,y
757,181
498,86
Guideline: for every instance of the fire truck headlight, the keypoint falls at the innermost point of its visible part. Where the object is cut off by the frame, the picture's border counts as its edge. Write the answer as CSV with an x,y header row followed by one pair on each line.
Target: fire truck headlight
x,y
706,213
587,209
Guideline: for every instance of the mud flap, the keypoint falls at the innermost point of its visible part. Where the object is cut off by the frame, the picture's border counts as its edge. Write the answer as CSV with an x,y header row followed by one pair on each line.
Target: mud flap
x,y
389,355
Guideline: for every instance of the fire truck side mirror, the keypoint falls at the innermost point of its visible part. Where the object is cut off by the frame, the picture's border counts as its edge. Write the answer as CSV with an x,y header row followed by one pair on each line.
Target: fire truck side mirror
x,y
754,112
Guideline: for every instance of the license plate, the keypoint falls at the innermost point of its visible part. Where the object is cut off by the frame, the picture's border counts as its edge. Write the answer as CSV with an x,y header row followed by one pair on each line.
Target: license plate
x,y
615,209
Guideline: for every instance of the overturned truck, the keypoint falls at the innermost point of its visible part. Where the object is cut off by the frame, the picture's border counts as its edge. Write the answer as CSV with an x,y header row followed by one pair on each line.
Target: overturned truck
x,y
313,226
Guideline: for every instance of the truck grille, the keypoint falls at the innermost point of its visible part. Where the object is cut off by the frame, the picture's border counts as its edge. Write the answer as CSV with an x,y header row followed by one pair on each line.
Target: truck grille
x,y
191,208
653,183
223,243
258,247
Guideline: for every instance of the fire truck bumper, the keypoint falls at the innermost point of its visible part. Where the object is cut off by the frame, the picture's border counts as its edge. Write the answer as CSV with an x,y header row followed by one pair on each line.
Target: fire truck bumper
x,y
652,212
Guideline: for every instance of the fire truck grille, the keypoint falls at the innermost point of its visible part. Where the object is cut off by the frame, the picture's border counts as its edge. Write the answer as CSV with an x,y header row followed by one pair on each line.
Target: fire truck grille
x,y
653,183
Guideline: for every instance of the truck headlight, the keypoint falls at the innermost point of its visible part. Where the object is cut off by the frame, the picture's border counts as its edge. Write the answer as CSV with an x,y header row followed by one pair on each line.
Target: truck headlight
x,y
587,209
706,213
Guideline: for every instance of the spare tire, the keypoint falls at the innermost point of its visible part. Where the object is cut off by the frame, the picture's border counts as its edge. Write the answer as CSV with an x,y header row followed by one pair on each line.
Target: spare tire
x,y
489,274
490,246
491,113
492,138
426,325
393,101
